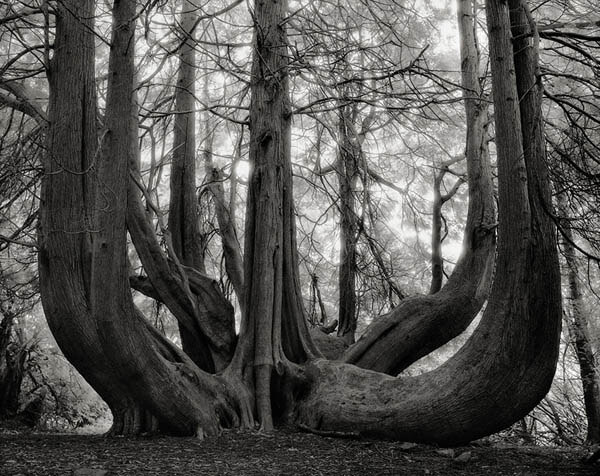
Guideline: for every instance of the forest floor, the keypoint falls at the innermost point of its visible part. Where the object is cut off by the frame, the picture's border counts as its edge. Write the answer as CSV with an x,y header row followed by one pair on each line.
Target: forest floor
x,y
281,453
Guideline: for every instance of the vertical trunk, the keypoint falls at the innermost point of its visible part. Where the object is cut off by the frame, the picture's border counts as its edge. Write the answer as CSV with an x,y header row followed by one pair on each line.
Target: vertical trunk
x,y
183,218
274,331
347,172
12,365
437,260
232,252
580,334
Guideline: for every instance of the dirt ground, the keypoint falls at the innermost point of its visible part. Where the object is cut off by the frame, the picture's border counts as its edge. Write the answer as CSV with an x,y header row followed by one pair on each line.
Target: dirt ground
x,y
281,453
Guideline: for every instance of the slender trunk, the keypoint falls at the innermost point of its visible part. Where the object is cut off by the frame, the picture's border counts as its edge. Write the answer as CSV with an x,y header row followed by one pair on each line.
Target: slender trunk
x,y
577,324
347,172
421,324
437,219
232,252
437,260
12,366
183,219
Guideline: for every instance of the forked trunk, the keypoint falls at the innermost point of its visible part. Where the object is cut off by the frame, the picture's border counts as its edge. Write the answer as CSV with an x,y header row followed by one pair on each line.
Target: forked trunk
x,y
146,381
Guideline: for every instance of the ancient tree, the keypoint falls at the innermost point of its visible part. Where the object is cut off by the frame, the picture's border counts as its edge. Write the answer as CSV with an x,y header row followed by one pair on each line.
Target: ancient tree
x,y
272,371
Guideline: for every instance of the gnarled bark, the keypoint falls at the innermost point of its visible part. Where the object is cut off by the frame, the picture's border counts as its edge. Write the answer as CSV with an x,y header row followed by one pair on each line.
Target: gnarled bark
x,y
274,333
83,260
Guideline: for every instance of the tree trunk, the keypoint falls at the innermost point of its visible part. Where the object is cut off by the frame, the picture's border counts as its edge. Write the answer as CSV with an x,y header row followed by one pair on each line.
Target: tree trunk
x,y
580,335
183,217
67,203
421,324
274,333
347,173
145,380
12,364
507,366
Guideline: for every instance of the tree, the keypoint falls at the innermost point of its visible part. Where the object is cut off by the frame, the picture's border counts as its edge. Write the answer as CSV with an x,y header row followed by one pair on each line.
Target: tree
x,y
90,200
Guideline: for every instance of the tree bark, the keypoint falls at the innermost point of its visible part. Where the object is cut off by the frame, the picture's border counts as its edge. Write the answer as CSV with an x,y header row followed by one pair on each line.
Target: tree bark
x,y
274,333
12,366
507,366
347,172
421,324
83,261
580,335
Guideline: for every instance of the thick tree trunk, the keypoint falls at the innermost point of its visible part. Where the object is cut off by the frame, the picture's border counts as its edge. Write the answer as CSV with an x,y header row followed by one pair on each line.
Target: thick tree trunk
x,y
145,380
67,203
274,333
507,366
421,324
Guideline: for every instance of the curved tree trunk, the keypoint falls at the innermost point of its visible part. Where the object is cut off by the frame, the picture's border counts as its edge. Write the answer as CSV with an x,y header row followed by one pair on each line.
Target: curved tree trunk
x,y
507,366
421,324
67,203
85,290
